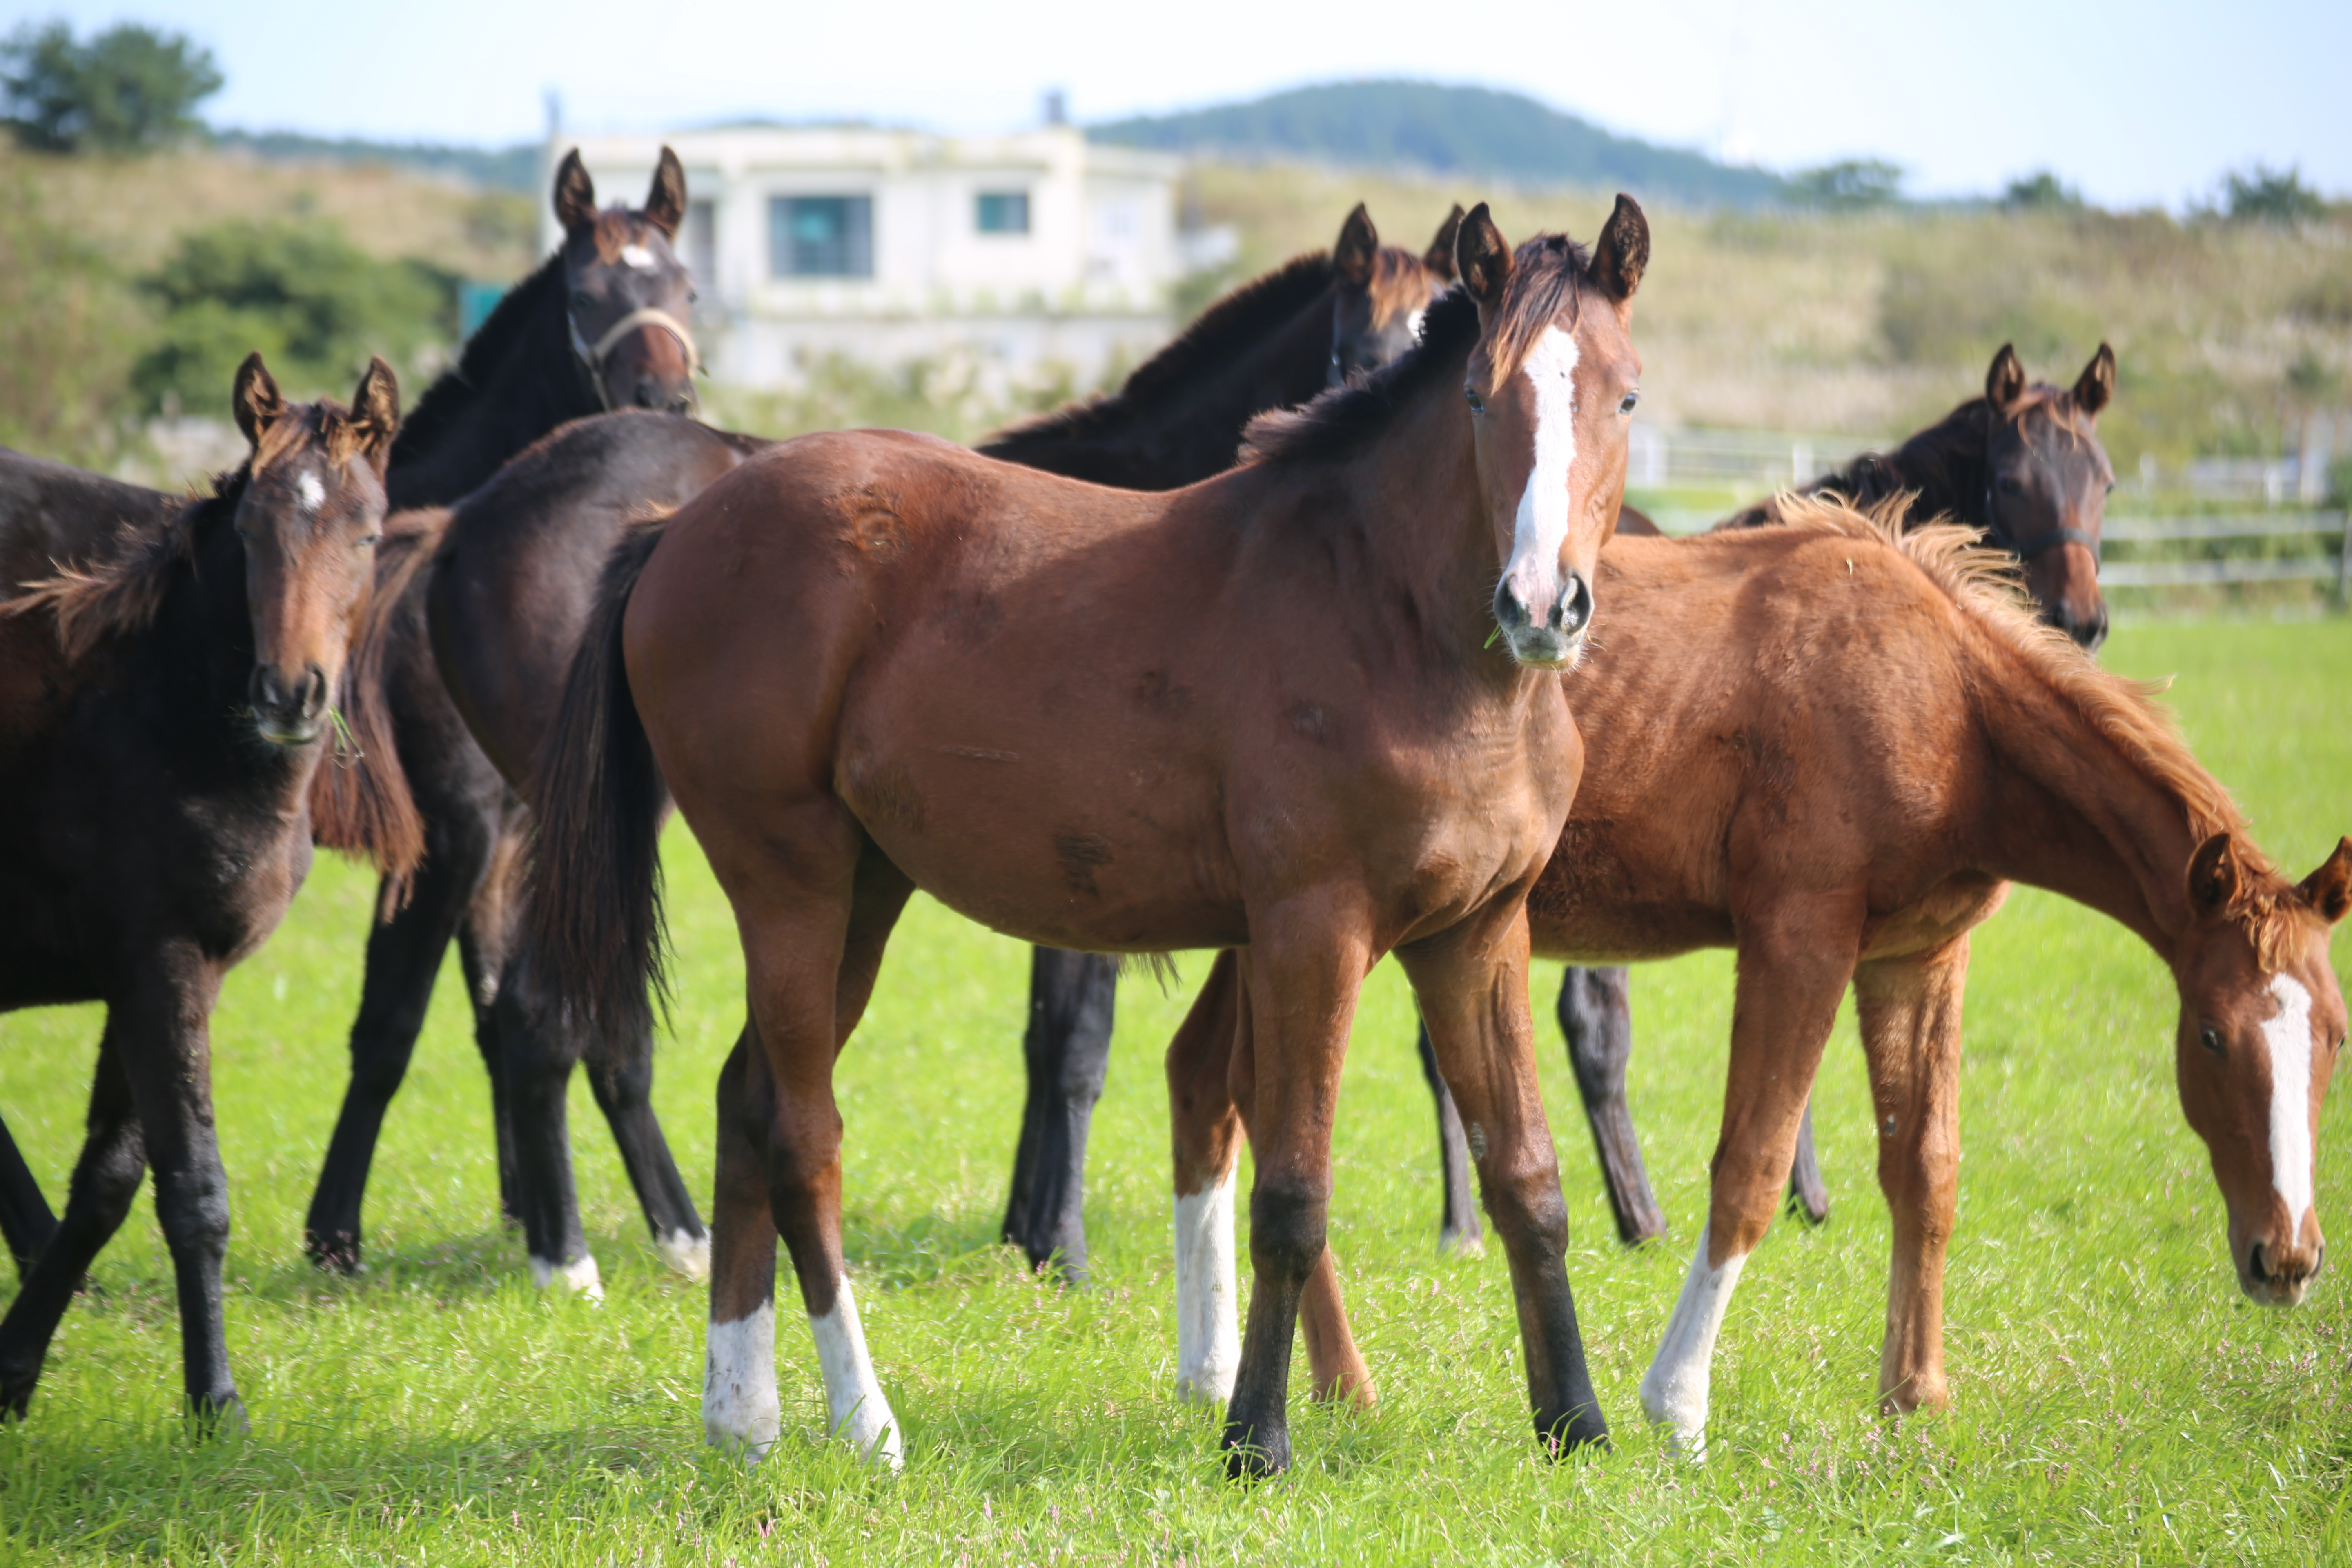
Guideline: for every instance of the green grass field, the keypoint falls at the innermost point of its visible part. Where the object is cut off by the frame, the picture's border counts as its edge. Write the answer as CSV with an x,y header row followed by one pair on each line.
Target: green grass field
x,y
2114,1398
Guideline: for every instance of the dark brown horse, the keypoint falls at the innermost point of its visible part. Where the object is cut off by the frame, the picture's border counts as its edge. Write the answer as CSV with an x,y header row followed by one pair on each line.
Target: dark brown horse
x,y
167,702
1910,743
855,660
600,325
510,595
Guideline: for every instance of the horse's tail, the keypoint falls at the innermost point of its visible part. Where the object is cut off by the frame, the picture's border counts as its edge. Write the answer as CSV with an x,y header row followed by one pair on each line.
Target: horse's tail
x,y
591,914
360,799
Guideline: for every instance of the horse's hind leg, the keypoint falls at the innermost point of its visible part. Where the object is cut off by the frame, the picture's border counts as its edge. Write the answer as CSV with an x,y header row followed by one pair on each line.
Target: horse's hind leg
x,y
624,1091
740,1408
1794,962
25,1218
1066,1047
811,956
1909,1009
1457,1230
1206,1133
537,1049
1596,1014
105,1183
1472,987
1809,1196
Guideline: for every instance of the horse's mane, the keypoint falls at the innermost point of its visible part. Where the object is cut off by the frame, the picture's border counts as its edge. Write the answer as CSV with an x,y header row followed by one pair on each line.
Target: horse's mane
x,y
1399,284
1239,320
359,798
90,602
444,402
1982,582
1340,421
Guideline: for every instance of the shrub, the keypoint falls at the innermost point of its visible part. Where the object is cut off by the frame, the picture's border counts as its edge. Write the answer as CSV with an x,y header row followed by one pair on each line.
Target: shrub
x,y
66,326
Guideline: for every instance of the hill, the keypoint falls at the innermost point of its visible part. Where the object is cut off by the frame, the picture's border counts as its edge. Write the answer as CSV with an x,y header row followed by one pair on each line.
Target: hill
x,y
1472,132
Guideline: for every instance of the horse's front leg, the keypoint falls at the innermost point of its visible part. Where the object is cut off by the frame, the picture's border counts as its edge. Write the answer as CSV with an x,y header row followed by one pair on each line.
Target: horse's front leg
x,y
1472,981
1909,1009
1301,977
25,1218
1795,958
166,1054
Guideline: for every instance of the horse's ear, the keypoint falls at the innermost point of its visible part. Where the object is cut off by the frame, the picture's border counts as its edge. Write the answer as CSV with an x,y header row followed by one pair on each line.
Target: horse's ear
x,y
375,411
2005,381
2329,888
575,194
1439,256
1623,253
2097,388
1358,247
2213,875
256,402
1482,261
665,203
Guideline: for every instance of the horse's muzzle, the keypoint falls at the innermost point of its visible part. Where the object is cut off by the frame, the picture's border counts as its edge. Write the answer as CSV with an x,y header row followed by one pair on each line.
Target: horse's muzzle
x,y
286,713
1554,638
2280,1279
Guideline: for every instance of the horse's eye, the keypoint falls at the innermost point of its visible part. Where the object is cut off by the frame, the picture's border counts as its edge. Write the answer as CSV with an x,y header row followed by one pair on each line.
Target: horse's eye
x,y
691,296
580,299
1627,407
2010,487
368,540
2211,1038
1477,401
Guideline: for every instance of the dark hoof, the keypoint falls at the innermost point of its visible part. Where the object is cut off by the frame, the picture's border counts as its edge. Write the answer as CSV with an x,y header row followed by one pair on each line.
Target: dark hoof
x,y
17,1396
1641,1228
1585,1429
220,1415
338,1254
1253,1455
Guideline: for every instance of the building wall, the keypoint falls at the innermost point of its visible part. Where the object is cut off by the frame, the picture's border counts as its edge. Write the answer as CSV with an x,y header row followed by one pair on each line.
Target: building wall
x,y
1087,287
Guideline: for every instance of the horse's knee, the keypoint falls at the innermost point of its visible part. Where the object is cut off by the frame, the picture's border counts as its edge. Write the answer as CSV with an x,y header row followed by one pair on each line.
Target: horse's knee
x,y
193,1209
1530,1214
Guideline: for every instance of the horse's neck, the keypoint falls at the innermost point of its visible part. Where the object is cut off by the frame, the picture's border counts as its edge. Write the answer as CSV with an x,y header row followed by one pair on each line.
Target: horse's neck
x,y
2072,811
529,388
1946,464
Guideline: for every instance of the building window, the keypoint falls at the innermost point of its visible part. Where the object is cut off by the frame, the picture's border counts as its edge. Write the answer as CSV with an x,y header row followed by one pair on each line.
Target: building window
x,y
1004,212
821,236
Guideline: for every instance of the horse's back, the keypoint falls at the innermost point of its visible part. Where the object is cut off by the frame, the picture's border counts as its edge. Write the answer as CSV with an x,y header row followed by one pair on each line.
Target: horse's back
x,y
53,514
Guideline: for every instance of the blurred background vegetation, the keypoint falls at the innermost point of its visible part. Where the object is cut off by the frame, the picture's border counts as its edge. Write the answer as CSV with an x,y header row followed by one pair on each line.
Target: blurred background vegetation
x,y
141,256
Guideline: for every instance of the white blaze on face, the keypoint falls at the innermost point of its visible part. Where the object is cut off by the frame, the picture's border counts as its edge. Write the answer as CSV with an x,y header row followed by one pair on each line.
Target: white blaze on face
x,y
852,1398
2288,1036
309,491
1412,325
1208,1330
1541,526
739,1410
1674,1390
638,257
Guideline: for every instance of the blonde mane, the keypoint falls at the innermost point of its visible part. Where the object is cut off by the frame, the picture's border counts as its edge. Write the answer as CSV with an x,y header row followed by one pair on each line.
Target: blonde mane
x,y
1984,584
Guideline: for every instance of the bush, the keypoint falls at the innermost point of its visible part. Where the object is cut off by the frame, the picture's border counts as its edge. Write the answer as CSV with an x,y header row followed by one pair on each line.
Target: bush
x,y
129,90
2263,195
1850,186
67,325
314,304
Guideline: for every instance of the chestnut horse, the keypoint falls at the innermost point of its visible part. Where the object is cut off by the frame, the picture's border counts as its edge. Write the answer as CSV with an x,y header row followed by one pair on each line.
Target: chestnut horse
x,y
510,596
852,662
1864,739
166,702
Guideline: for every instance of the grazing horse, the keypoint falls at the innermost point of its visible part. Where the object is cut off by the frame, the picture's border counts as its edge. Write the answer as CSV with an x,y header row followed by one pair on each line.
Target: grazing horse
x,y
851,662
600,325
2023,466
509,598
166,703
1832,747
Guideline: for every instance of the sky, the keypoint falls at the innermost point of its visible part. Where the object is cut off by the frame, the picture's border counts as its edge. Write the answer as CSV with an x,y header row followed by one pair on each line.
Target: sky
x,y
2138,104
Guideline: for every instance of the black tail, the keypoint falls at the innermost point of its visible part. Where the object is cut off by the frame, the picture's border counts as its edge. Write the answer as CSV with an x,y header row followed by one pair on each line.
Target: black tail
x,y
593,913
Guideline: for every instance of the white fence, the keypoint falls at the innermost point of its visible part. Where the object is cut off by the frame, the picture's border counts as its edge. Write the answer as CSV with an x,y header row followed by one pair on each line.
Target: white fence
x,y
2151,569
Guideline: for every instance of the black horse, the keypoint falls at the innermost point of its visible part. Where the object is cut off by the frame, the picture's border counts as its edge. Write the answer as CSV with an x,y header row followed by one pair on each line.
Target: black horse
x,y
517,574
166,698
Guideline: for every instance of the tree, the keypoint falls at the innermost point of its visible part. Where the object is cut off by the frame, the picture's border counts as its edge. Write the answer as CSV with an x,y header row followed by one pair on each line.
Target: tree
x,y
128,90
2042,192
2264,194
1851,184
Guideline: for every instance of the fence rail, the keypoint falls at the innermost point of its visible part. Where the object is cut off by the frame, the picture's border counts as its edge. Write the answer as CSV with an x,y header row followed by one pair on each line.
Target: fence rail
x,y
2175,573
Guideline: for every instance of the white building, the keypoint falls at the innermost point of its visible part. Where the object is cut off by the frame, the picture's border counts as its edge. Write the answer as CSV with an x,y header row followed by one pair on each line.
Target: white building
x,y
1023,253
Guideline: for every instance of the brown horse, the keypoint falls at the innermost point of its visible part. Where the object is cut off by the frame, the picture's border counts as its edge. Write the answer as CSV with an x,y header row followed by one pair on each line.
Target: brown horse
x,y
856,662
510,596
166,703
1865,739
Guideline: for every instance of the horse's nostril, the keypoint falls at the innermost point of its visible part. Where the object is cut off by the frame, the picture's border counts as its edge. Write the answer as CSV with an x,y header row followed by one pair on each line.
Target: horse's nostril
x,y
2255,1264
1575,605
